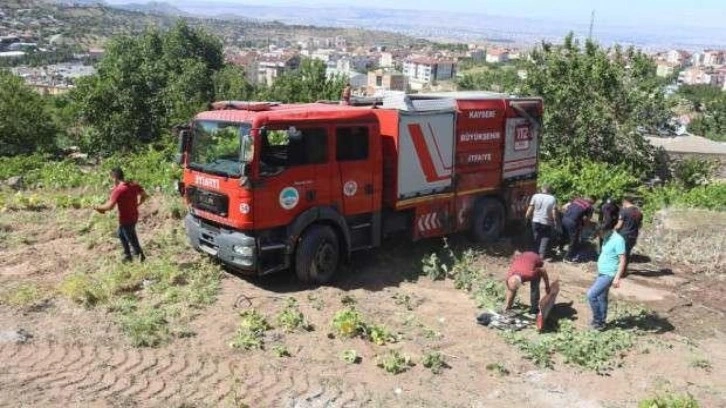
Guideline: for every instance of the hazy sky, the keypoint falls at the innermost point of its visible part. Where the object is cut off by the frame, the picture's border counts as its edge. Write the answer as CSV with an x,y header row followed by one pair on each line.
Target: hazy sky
x,y
704,13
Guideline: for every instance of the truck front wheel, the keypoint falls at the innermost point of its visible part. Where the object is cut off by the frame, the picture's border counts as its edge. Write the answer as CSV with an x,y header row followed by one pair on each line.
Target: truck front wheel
x,y
488,221
318,255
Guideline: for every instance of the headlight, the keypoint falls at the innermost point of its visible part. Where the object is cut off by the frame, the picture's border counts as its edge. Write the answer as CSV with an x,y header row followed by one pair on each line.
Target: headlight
x,y
243,250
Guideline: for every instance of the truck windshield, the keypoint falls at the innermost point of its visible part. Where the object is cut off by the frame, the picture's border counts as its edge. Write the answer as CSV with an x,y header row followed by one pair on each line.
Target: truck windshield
x,y
221,148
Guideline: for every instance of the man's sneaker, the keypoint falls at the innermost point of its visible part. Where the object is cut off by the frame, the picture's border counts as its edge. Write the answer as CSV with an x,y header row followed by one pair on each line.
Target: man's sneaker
x,y
597,327
142,258
127,259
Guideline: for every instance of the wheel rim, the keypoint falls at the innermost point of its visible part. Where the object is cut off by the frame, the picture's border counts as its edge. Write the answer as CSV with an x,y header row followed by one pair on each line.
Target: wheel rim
x,y
325,259
489,222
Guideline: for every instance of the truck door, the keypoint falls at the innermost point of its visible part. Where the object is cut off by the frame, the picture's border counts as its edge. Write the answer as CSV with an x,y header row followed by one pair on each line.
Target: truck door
x,y
356,168
293,159
521,143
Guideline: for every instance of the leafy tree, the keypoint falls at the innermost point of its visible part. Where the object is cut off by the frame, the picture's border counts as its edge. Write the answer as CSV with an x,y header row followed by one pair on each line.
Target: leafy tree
x,y
594,100
712,121
700,95
147,83
309,83
495,78
25,123
230,84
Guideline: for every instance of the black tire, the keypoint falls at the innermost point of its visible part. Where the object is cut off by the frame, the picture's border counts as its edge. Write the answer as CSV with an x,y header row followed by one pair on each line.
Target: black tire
x,y
318,255
488,221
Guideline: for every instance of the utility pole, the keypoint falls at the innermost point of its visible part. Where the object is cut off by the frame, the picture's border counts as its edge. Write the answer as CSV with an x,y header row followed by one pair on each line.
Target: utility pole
x,y
592,24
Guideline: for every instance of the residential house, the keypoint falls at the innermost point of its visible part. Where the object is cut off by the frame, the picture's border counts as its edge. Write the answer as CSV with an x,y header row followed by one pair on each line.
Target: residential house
x,y
427,70
497,55
382,80
386,60
665,69
713,58
677,57
694,76
270,67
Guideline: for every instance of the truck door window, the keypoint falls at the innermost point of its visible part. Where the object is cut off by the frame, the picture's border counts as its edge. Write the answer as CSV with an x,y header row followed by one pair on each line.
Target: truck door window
x,y
292,147
351,143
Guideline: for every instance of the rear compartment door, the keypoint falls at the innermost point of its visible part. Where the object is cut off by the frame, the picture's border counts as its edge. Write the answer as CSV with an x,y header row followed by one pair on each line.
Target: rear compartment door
x,y
522,140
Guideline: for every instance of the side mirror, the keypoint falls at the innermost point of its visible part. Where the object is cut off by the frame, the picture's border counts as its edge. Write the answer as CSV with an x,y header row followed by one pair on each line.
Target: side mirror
x,y
184,137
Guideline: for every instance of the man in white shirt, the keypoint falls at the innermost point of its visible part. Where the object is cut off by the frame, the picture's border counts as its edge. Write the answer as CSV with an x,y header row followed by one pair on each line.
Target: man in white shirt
x,y
543,212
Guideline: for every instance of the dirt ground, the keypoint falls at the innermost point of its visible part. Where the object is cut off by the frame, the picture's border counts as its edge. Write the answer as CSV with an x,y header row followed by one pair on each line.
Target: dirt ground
x,y
79,357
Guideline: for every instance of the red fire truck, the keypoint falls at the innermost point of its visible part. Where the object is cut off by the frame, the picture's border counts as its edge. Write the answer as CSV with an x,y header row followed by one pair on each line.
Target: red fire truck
x,y
273,186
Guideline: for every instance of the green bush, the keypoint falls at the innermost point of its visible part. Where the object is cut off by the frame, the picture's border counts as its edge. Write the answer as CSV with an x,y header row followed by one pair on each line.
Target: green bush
x,y
570,178
693,172
712,197
670,401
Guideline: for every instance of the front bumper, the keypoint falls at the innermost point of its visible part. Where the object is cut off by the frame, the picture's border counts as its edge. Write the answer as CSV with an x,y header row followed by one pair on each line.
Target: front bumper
x,y
229,246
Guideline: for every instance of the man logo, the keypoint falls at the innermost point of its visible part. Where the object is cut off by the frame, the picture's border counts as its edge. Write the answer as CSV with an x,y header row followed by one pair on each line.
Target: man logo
x,y
350,188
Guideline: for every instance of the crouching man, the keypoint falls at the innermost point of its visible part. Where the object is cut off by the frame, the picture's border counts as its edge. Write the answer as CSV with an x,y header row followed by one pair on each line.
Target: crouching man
x,y
526,267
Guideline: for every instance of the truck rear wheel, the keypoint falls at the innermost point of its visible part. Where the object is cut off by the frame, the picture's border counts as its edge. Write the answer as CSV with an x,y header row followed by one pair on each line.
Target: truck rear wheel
x,y
318,255
488,221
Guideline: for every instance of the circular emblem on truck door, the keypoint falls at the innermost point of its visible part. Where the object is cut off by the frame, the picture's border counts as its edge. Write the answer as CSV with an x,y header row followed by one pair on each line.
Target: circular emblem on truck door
x,y
244,208
350,188
289,197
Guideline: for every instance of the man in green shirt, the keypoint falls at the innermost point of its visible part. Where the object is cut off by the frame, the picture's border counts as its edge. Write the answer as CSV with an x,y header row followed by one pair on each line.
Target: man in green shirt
x,y
610,267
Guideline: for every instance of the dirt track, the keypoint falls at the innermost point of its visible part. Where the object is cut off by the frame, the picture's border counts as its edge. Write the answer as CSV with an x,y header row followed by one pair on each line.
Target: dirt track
x,y
78,357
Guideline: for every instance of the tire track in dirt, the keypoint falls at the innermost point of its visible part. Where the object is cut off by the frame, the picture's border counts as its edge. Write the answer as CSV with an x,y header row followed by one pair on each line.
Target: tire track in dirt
x,y
48,373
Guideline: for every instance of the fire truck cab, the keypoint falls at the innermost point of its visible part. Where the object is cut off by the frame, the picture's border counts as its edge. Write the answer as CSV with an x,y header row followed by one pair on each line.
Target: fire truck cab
x,y
273,186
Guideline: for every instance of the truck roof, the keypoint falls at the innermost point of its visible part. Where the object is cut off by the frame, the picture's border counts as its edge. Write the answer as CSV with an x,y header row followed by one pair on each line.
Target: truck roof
x,y
468,95
305,111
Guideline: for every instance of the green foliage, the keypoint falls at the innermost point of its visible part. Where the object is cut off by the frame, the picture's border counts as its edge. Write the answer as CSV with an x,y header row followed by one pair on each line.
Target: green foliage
x,y
693,172
291,318
711,123
569,178
495,79
26,126
308,83
699,95
379,334
350,357
251,331
349,323
593,350
701,363
280,351
26,294
433,267
146,84
670,401
711,196
595,98
393,362
150,167
145,327
499,368
230,84
434,361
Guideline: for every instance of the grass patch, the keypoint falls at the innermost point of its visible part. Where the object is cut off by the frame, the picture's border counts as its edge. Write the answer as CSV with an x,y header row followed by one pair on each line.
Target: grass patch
x,y
435,362
251,332
291,319
349,323
498,368
146,326
701,363
350,357
670,401
280,351
393,362
593,350
23,295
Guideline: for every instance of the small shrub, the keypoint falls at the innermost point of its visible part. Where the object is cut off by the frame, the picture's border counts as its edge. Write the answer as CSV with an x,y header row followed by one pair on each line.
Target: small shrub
x,y
379,335
82,289
434,361
291,318
498,368
280,351
701,363
251,331
348,323
350,357
26,294
433,267
394,362
670,401
147,327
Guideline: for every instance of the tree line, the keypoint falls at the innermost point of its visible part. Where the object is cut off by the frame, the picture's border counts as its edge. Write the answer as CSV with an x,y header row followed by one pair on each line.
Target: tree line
x,y
144,85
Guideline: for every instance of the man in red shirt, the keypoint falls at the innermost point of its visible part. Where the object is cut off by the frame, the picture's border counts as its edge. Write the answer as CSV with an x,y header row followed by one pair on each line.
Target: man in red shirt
x,y
526,267
128,196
